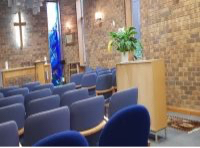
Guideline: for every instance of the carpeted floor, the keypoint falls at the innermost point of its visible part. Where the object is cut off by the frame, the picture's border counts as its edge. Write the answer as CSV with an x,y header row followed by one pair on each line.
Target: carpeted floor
x,y
180,138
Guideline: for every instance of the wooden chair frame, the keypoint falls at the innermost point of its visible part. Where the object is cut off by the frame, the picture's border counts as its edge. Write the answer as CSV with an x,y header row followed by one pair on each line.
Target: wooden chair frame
x,y
91,87
95,129
101,92
21,131
78,86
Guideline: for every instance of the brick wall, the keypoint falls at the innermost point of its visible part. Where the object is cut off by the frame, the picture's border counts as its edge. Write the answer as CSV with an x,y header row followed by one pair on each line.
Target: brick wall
x,y
68,15
35,36
170,30
97,37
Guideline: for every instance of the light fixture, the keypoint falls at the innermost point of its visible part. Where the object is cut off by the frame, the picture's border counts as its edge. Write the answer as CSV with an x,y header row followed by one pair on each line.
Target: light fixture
x,y
18,5
99,17
68,27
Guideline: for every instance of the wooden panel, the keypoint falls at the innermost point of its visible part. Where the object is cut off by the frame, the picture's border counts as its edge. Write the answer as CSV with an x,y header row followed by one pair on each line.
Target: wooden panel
x,y
183,110
40,71
149,78
19,76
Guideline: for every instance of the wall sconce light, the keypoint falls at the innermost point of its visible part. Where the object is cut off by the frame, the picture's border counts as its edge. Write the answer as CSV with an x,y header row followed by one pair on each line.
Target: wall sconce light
x,y
68,27
99,17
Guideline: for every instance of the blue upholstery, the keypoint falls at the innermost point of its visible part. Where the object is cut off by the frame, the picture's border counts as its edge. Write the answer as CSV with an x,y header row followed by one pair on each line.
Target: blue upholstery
x,y
104,82
89,80
1,95
9,134
72,96
98,69
113,69
18,91
89,69
5,90
43,104
128,127
12,100
41,125
77,78
114,84
15,112
36,94
64,139
43,86
86,114
31,85
104,72
60,90
123,99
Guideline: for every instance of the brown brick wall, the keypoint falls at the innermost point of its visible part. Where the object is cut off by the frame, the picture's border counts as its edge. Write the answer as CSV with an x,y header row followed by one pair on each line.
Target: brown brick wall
x,y
36,38
170,30
68,14
96,37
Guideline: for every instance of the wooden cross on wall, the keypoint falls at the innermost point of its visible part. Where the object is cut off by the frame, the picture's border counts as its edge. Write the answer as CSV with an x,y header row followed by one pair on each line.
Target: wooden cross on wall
x,y
20,24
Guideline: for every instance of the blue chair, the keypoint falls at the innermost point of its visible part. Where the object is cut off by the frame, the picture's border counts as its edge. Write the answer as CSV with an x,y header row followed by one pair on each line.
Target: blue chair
x,y
43,104
31,85
60,90
15,112
104,85
36,94
128,127
12,100
87,116
88,69
1,95
64,139
38,126
44,86
114,82
9,134
77,78
18,91
104,72
72,96
5,90
89,82
122,99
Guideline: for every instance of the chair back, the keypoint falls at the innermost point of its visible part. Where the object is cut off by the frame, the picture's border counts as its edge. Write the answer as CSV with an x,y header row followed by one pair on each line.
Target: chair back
x,y
104,72
5,90
18,91
104,85
89,82
31,85
14,112
64,139
1,95
44,86
43,124
36,94
9,134
114,84
12,100
128,127
87,114
122,99
60,90
72,96
77,78
43,104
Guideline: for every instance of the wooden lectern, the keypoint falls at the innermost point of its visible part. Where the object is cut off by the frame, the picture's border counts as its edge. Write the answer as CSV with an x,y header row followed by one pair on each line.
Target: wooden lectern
x,y
40,71
149,77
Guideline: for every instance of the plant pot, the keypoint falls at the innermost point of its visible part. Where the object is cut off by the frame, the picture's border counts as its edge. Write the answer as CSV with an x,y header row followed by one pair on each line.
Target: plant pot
x,y
126,57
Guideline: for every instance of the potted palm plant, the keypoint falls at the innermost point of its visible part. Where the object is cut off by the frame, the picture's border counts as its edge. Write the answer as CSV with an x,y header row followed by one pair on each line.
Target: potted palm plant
x,y
124,42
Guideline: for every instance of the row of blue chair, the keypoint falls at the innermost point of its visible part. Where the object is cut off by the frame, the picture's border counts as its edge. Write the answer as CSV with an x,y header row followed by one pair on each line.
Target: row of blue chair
x,y
128,127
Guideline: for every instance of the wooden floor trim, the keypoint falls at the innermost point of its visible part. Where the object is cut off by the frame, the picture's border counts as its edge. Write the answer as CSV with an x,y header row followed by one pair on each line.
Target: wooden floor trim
x,y
183,110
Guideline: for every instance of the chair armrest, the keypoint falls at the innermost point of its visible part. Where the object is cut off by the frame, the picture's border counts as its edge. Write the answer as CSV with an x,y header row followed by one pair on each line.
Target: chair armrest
x,y
78,86
91,87
94,130
100,92
106,119
21,132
